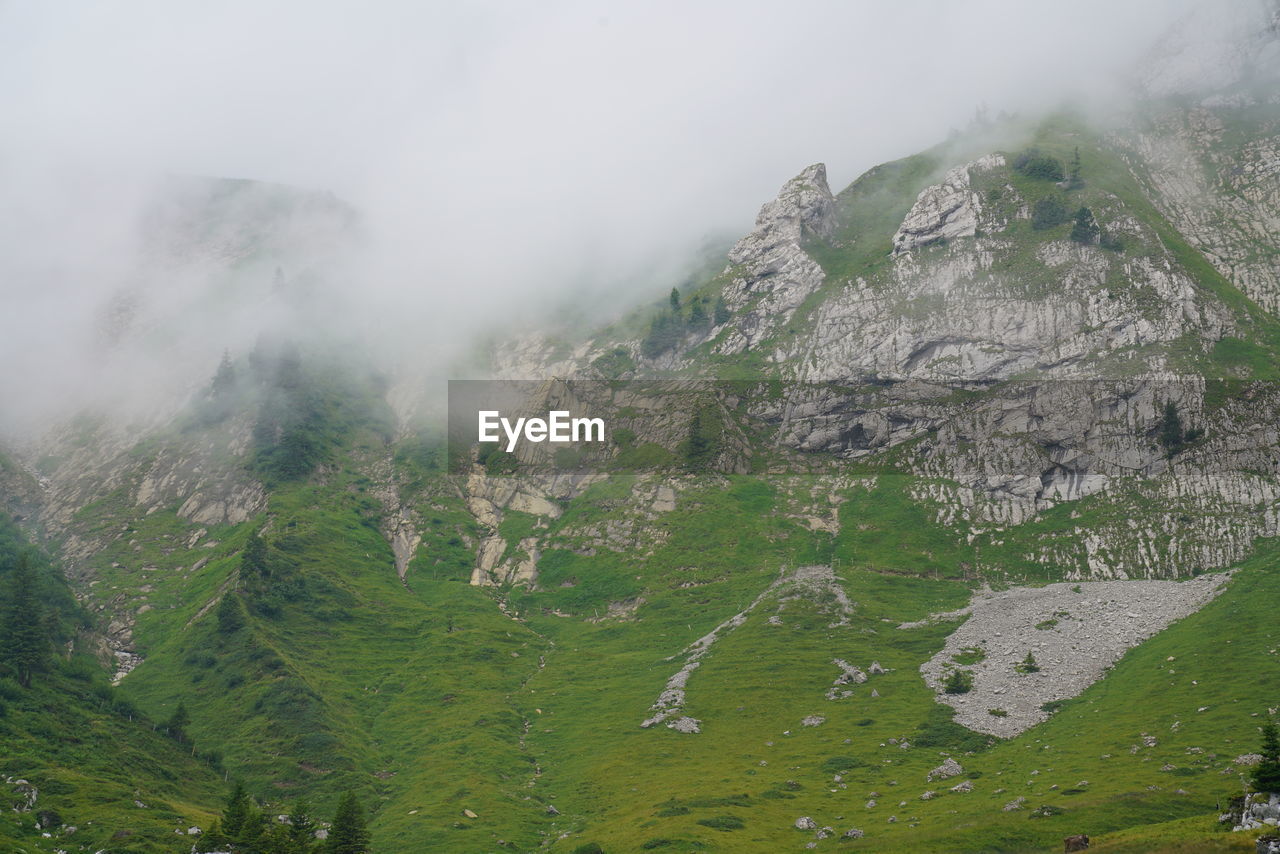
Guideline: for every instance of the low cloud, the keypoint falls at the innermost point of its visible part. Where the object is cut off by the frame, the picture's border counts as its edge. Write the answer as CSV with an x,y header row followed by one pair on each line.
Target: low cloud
x,y
497,158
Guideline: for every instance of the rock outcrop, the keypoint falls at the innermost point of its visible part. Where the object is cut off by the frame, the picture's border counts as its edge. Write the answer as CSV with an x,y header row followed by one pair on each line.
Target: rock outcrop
x,y
772,273
944,211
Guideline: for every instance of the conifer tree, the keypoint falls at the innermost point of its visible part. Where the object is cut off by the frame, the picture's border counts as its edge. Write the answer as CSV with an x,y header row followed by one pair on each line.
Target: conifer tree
x,y
178,722
24,643
721,314
703,442
348,834
958,682
697,315
675,300
302,827
252,831
237,813
224,380
1074,181
230,617
1049,212
253,560
275,839
1266,774
1171,435
1085,229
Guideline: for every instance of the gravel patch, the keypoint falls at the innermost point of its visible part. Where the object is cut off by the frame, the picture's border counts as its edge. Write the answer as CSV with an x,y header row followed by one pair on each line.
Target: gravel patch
x,y
1074,631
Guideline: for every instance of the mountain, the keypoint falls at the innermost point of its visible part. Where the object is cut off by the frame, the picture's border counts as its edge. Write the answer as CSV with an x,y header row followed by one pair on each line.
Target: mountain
x,y
940,515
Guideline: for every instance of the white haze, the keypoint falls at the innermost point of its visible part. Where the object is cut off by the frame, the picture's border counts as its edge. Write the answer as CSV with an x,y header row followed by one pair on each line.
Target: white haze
x,y
502,157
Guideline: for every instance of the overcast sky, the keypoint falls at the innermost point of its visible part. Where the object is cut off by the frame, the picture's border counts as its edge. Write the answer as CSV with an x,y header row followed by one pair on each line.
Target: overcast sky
x,y
641,109
499,150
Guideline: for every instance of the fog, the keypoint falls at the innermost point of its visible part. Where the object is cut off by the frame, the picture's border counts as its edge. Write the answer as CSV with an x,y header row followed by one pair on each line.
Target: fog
x,y
500,160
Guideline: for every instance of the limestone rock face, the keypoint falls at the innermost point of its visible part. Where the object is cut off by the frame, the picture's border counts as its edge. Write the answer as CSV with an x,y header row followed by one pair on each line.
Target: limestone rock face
x,y
803,206
958,316
1210,156
774,273
1222,196
944,211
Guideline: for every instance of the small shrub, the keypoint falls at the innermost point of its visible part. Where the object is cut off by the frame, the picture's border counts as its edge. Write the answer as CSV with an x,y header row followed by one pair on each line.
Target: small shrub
x,y
723,822
721,313
969,655
1110,242
998,713
840,764
1049,212
1035,164
48,818
52,786
1046,811
1085,230
958,682
615,363
665,333
1171,436
230,617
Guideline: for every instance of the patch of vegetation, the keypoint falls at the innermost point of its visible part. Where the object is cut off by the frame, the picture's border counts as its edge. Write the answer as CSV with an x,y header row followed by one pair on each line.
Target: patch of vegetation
x,y
1085,228
1035,164
1046,811
958,682
1172,436
1027,665
1266,774
940,732
841,764
1049,212
307,410
969,656
616,363
723,822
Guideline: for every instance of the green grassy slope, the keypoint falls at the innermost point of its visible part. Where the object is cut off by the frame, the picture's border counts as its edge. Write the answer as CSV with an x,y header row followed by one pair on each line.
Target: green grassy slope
x,y
97,764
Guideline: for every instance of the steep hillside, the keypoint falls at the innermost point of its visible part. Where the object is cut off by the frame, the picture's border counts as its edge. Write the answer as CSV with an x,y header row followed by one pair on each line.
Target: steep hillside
x,y
82,768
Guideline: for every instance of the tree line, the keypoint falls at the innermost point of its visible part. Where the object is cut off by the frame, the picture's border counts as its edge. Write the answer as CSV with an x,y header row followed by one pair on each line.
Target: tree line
x,y
246,828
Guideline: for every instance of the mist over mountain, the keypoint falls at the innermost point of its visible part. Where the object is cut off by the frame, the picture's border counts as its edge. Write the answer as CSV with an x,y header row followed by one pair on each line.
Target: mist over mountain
x,y
563,159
